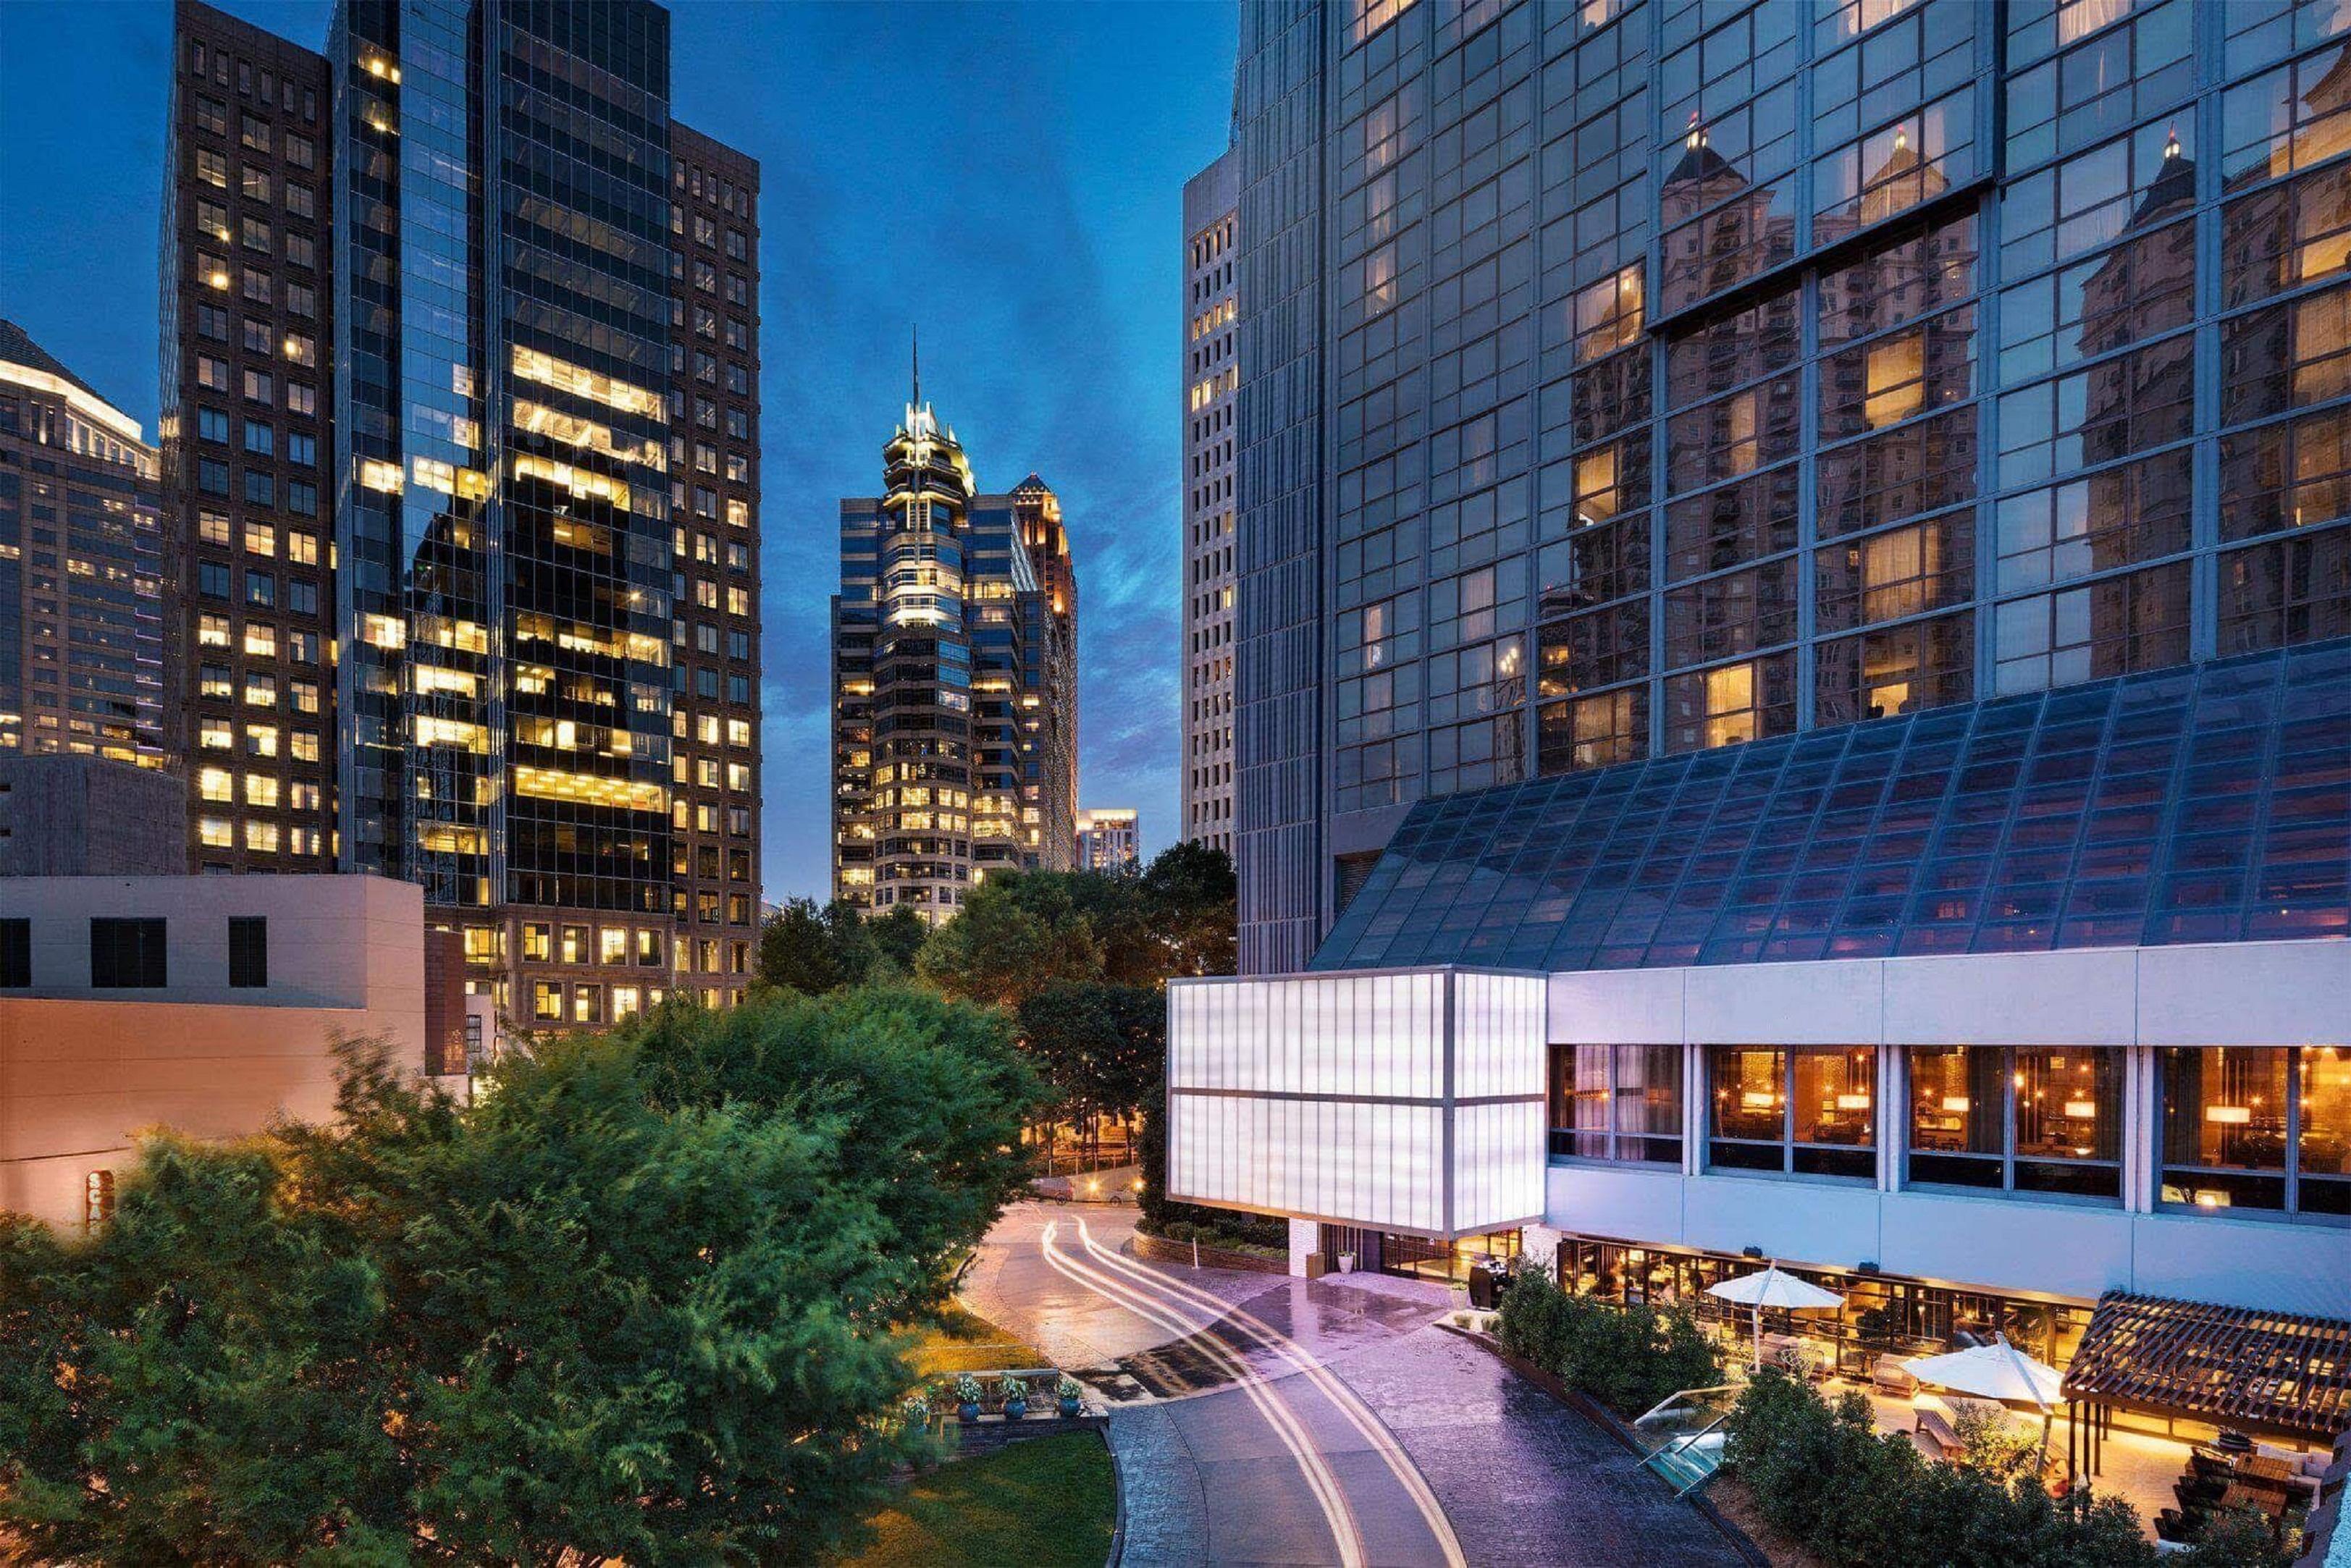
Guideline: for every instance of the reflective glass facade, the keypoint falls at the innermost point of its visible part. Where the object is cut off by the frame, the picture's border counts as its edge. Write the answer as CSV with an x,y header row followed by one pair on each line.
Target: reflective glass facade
x,y
2205,803
1739,372
513,657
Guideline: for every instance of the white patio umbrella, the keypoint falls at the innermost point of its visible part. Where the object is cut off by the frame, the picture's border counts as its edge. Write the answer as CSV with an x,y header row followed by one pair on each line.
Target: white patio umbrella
x,y
1770,1288
1995,1371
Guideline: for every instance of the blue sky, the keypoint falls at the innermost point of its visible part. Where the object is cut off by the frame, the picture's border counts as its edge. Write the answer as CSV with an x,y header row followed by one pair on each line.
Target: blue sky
x,y
1008,176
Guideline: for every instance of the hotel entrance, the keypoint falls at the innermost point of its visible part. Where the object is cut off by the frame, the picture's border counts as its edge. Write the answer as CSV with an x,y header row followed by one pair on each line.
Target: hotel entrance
x,y
1414,1257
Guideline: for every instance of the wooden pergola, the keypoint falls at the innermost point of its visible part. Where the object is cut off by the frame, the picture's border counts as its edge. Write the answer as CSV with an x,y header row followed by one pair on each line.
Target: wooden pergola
x,y
2276,1375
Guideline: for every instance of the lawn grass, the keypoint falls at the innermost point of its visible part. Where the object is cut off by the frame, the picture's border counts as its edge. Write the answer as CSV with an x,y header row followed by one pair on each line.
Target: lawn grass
x,y
965,1342
1044,1504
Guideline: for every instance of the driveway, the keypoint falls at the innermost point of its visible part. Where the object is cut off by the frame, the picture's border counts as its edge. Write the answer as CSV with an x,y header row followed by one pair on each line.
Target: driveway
x,y
1265,1421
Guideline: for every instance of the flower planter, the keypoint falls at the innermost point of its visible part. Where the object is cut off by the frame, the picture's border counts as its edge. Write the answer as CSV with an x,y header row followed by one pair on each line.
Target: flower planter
x,y
1069,1410
968,1412
1016,1410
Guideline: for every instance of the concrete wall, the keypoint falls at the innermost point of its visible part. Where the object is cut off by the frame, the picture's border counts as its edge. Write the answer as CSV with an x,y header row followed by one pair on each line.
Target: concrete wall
x,y
82,1071
63,815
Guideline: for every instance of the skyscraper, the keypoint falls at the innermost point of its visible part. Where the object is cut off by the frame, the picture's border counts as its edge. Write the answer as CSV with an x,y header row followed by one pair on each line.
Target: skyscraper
x,y
82,567
524,334
1568,355
1109,840
953,679
1211,395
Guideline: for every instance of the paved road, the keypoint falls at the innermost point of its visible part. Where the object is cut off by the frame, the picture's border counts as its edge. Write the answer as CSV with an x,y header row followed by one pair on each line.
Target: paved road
x,y
1265,1421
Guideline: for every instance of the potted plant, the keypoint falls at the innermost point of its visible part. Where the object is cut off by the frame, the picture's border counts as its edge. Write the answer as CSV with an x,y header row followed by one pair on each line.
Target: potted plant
x,y
916,1411
1068,1391
969,1394
1014,1392
1346,1262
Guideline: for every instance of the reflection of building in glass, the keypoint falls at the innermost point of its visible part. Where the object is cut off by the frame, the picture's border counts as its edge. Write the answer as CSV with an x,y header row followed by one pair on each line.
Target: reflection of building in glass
x,y
955,721
1833,454
82,567
465,459
1934,556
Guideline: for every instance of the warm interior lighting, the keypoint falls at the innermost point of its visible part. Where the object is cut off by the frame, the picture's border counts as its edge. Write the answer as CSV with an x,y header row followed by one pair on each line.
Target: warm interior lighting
x,y
1756,1100
1957,1105
531,365
1853,1101
2082,1110
2228,1115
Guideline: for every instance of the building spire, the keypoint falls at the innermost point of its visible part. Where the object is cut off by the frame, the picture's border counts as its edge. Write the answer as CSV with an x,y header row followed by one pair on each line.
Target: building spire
x,y
916,331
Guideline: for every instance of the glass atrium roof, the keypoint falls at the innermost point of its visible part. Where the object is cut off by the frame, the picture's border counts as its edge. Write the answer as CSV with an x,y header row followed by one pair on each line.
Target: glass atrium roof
x,y
2201,803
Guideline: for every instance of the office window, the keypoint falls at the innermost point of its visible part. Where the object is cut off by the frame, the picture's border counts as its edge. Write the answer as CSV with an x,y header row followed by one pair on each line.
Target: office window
x,y
2265,1127
249,952
2024,1119
126,954
1805,1110
1616,1102
15,954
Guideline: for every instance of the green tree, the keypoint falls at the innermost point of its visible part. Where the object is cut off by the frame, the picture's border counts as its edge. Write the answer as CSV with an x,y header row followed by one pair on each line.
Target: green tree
x,y
1191,905
1015,932
800,948
1099,1047
896,936
635,1302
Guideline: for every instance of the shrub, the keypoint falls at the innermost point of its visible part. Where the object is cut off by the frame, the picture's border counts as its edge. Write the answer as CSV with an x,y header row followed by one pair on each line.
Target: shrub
x,y
1823,1477
2237,1539
1628,1358
1992,1443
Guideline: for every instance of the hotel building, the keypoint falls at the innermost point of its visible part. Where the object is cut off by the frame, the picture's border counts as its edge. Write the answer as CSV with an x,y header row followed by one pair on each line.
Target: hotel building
x,y
954,680
460,338
1211,397
82,567
1908,445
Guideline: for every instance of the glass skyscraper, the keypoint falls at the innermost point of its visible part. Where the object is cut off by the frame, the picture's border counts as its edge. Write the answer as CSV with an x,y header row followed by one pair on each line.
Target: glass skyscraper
x,y
539,429
954,680
1635,377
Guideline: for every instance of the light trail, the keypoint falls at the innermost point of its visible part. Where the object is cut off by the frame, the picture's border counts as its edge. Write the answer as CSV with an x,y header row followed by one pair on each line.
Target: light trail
x,y
1320,1481
1398,1462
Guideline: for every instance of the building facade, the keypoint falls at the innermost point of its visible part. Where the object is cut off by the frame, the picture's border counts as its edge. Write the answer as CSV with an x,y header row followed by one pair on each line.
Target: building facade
x,y
82,567
1211,399
485,322
1906,445
954,680
1109,840
65,815
1745,374
207,1005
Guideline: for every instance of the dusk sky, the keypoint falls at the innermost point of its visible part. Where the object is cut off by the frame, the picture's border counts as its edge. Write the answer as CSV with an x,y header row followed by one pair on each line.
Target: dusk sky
x,y
1010,178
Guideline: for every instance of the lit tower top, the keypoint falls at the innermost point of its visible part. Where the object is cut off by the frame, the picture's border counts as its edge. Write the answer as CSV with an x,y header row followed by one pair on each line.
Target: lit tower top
x,y
924,457
926,501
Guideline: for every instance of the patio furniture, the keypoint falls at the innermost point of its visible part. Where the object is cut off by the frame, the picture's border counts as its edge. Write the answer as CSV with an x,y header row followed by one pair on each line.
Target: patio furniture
x,y
1888,1376
1930,1419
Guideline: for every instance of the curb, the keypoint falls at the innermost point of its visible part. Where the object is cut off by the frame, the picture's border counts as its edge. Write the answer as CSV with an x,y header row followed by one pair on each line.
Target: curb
x,y
1118,1495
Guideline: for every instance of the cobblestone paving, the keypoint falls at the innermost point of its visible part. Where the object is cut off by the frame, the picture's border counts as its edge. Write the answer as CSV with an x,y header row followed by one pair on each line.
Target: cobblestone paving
x,y
1524,1479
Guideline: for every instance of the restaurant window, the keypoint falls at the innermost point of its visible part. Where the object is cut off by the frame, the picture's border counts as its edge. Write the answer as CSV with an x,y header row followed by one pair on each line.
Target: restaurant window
x,y
2017,1118
2264,1127
1804,1110
1616,1102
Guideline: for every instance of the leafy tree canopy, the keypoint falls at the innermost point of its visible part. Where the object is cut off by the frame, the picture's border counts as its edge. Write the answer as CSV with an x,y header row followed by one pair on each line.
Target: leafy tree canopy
x,y
636,1304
